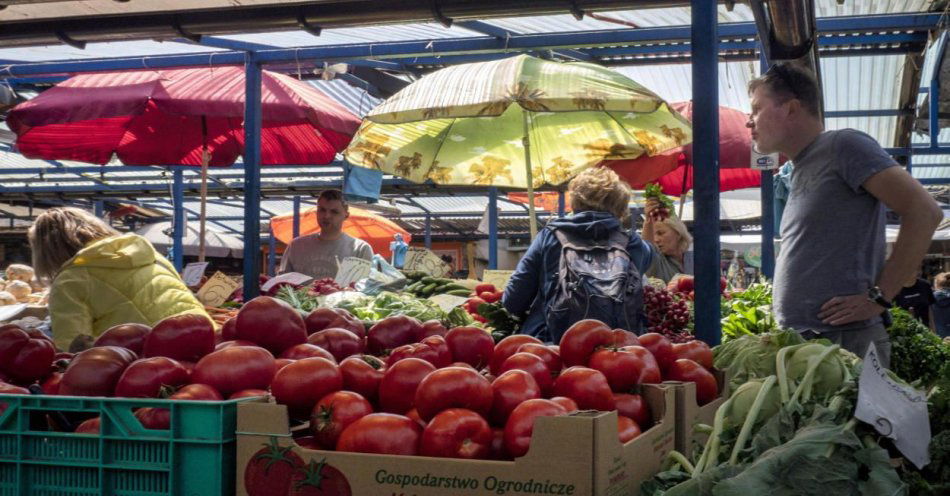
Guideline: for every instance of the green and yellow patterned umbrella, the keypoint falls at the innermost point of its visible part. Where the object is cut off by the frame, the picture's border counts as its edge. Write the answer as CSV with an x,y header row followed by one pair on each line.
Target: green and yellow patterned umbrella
x,y
519,122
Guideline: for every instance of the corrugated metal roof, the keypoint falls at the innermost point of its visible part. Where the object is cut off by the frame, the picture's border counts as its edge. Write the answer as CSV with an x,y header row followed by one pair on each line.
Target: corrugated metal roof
x,y
673,82
367,34
355,100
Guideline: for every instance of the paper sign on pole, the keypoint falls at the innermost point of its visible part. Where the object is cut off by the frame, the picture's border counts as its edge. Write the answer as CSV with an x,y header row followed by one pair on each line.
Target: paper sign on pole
x,y
353,269
895,411
295,278
217,289
9,312
193,272
764,162
497,277
423,260
447,302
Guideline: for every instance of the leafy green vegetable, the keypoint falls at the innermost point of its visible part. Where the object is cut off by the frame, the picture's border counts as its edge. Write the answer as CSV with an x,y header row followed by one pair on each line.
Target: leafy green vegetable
x,y
753,356
748,312
373,308
917,354
301,299
503,323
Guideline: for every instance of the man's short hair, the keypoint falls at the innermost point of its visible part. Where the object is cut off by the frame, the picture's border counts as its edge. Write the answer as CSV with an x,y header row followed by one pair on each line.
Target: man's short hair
x,y
787,81
333,195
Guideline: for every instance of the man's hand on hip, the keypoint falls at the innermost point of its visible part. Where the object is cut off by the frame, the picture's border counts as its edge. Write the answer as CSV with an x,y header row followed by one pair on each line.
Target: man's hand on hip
x,y
842,310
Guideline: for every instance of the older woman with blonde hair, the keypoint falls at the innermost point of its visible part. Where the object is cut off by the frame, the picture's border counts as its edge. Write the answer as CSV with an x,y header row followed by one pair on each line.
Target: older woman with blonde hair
x,y
671,240
535,292
101,278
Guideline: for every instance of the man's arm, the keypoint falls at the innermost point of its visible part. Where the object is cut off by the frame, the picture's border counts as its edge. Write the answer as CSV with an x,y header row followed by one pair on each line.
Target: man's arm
x,y
920,216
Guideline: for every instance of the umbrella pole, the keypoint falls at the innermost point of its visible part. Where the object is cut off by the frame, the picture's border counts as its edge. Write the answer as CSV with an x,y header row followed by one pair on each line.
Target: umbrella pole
x,y
526,141
205,158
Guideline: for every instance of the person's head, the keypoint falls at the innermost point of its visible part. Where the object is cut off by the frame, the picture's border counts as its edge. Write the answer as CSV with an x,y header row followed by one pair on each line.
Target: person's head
x,y
332,210
785,103
59,233
942,281
600,189
671,236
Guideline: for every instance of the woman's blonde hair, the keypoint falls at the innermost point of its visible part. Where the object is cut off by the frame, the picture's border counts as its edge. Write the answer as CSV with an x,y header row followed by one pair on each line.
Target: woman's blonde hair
x,y
600,189
59,233
942,281
679,228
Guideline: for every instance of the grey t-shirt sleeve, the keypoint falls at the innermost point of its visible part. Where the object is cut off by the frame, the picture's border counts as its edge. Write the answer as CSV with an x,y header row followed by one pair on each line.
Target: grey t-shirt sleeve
x,y
859,157
364,251
285,263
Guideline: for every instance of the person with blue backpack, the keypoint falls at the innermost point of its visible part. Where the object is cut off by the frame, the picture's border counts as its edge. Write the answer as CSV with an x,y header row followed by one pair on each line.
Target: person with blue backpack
x,y
584,265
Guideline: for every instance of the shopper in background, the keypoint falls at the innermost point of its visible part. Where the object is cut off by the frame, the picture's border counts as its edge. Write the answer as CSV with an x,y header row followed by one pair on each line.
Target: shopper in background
x,y
916,297
318,255
534,293
101,278
671,241
941,307
831,279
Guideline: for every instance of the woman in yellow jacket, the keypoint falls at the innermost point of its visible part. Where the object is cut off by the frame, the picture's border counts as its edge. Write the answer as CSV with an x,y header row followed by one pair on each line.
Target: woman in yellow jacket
x,y
101,278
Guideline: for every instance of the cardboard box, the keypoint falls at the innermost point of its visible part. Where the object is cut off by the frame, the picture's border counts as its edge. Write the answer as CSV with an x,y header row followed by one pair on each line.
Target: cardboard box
x,y
689,413
576,454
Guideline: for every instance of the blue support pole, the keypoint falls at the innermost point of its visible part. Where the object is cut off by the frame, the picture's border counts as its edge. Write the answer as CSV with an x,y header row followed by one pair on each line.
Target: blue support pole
x,y
560,204
493,228
98,208
271,254
428,232
706,160
178,220
296,217
768,212
252,177
934,89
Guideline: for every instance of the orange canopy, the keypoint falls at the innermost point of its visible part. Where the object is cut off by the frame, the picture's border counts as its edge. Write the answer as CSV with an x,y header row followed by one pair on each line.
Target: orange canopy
x,y
376,230
545,200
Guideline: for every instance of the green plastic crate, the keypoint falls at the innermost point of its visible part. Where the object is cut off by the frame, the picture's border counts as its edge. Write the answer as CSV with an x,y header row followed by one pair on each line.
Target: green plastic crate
x,y
194,457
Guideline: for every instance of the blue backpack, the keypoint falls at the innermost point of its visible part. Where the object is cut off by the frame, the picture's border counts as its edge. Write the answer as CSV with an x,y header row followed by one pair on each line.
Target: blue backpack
x,y
596,280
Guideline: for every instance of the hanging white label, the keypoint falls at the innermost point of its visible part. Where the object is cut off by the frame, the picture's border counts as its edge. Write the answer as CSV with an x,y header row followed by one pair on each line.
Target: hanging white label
x,y
295,278
895,411
353,269
193,272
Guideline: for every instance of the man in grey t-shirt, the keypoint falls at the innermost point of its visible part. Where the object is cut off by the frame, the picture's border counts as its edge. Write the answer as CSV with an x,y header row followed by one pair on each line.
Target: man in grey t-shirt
x,y
317,255
831,279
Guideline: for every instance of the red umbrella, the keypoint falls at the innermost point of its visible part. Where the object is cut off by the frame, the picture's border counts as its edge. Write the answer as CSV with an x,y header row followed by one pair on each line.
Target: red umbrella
x,y
168,116
673,170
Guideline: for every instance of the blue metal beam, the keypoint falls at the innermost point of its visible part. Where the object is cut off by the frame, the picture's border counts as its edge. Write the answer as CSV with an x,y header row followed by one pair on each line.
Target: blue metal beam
x,y
252,180
492,228
768,213
178,221
428,232
296,224
271,254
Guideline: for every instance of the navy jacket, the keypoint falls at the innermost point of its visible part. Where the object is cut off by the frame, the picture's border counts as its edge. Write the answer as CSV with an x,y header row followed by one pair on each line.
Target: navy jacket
x,y
531,288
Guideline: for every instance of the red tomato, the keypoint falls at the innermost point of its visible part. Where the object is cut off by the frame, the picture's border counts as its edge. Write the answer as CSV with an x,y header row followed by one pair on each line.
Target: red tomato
x,y
695,350
660,347
510,390
520,424
471,345
397,389
271,323
341,343
248,393
326,318
453,387
6,388
633,406
392,332
146,377
96,371
457,433
50,384
382,433
415,350
23,357
362,374
508,346
432,328
236,368
333,413
229,330
651,373
534,365
473,303
550,357
307,350
441,348
624,338
498,445
588,387
582,339
90,426
234,342
489,296
160,418
689,371
414,415
186,337
301,384
627,429
271,469
319,479
281,363
624,369
481,288
130,336
568,404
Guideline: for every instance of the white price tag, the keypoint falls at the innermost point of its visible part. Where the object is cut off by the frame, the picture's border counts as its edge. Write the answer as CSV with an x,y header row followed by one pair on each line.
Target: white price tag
x,y
10,312
497,277
895,411
193,272
423,260
447,302
353,269
217,289
295,278
762,161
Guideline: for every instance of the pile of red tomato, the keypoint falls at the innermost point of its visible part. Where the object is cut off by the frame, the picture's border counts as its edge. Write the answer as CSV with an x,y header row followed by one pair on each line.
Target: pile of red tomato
x,y
401,387
483,293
